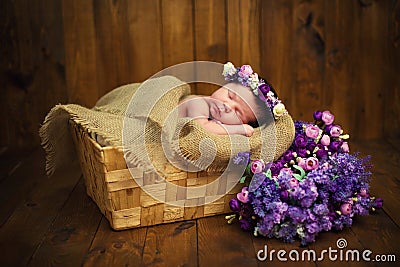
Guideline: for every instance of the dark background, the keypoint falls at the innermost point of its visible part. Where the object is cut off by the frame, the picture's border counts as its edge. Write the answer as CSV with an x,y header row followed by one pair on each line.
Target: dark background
x,y
338,55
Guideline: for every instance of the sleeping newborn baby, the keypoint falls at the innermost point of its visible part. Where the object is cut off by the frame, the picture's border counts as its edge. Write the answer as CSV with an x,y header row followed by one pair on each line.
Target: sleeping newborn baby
x,y
229,110
236,108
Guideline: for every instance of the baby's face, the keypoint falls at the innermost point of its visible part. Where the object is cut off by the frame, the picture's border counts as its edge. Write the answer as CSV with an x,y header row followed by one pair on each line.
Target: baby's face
x,y
231,104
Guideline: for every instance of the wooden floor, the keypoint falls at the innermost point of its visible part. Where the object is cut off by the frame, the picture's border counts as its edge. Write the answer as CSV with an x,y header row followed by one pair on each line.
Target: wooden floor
x,y
50,221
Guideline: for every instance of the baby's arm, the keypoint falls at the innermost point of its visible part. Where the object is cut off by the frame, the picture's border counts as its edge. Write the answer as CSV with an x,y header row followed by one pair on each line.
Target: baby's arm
x,y
197,108
225,129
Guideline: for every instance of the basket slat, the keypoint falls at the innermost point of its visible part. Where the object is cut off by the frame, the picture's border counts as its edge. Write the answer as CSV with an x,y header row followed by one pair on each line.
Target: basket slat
x,y
126,202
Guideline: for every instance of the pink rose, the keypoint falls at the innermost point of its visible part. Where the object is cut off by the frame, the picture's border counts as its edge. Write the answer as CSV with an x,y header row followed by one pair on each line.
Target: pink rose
x,y
335,131
312,131
346,208
345,147
311,163
257,166
325,140
302,163
327,117
245,70
293,182
243,196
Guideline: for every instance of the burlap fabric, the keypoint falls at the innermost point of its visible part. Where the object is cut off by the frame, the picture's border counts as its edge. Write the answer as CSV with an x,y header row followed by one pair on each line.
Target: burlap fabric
x,y
126,116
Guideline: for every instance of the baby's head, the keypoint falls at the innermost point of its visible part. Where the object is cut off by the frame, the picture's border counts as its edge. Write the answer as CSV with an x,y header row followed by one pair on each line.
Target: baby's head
x,y
236,104
245,99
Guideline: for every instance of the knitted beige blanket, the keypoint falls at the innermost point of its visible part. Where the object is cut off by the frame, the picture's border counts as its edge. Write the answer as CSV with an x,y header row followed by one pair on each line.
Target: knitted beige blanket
x,y
142,113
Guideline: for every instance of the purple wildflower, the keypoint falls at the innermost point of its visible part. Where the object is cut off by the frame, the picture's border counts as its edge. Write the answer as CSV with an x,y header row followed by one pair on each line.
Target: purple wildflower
x,y
242,158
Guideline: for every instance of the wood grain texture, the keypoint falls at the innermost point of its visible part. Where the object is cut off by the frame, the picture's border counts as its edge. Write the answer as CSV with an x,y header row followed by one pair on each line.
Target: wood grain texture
x,y
243,26
392,94
80,50
210,39
31,69
177,31
71,233
340,87
371,74
234,247
112,48
385,183
19,182
46,227
338,55
277,55
29,222
110,248
309,48
145,39
172,244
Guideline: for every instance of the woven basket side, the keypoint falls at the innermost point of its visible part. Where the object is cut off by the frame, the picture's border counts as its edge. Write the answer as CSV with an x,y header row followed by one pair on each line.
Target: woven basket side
x,y
124,202
91,158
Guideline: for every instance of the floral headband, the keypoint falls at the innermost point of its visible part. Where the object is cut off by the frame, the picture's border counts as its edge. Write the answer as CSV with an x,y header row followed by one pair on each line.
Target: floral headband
x,y
259,87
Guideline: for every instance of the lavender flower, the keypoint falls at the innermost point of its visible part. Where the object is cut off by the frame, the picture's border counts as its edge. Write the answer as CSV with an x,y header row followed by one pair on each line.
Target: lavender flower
x,y
330,189
242,158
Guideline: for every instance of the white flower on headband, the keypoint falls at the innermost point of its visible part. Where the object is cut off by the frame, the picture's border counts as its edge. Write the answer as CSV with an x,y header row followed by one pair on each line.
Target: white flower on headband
x,y
253,79
279,110
229,69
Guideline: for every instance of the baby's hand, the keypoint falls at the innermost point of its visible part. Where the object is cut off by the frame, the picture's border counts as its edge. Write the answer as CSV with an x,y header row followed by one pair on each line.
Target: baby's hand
x,y
248,130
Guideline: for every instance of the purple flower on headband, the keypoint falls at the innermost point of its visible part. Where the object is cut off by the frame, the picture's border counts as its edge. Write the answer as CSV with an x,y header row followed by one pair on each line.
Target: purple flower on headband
x,y
264,88
245,71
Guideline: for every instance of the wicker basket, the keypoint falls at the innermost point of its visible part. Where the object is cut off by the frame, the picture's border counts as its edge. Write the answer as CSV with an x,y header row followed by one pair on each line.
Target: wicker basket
x,y
124,203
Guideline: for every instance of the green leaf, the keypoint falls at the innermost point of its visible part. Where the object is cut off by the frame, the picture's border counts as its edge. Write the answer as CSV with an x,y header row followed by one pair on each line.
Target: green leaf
x,y
297,176
269,174
248,171
242,179
302,172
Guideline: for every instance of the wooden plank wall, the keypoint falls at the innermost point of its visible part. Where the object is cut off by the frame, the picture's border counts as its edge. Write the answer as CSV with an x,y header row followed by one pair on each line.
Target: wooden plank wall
x,y
339,55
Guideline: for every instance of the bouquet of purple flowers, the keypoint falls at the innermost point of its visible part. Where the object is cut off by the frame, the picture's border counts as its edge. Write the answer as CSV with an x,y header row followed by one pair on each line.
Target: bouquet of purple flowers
x,y
316,185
